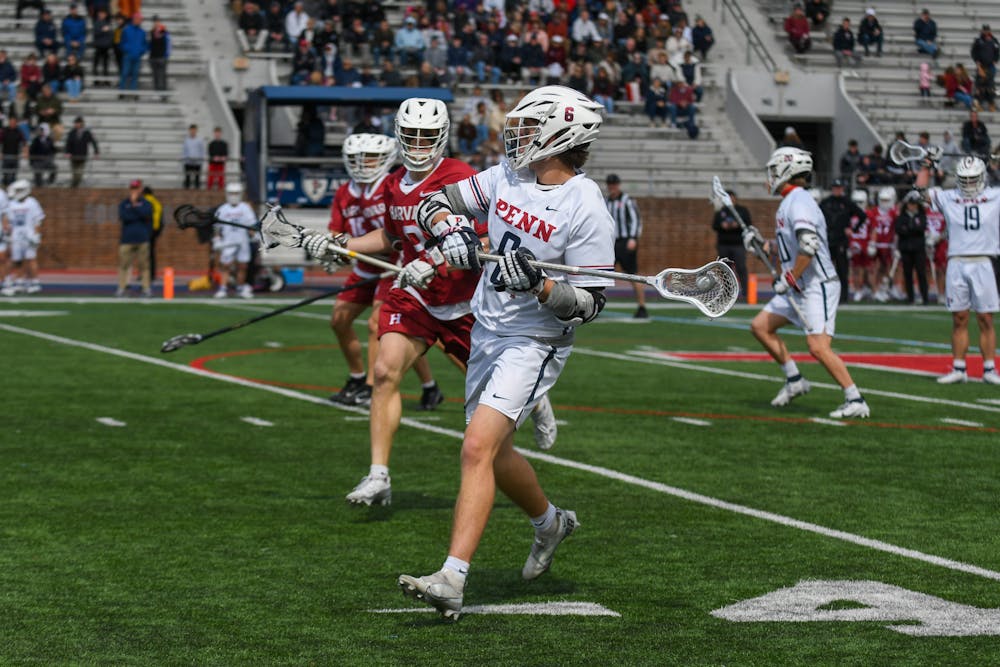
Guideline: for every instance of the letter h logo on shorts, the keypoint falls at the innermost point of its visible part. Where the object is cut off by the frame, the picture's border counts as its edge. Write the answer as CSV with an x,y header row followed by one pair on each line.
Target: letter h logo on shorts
x,y
395,318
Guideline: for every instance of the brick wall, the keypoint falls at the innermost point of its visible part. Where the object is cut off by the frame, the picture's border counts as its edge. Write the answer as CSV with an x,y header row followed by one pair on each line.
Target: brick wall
x,y
81,229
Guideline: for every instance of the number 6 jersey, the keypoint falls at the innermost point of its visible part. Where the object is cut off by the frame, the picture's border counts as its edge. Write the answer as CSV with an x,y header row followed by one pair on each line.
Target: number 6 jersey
x,y
973,223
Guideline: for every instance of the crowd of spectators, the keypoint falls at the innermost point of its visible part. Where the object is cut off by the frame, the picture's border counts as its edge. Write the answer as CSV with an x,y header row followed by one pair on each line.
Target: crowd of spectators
x,y
646,54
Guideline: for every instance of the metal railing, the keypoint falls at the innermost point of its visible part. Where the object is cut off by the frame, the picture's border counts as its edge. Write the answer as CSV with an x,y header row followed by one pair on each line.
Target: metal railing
x,y
755,46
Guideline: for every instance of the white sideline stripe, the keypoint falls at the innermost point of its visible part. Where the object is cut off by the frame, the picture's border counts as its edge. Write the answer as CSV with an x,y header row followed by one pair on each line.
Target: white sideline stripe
x,y
645,357
992,401
528,608
828,422
256,421
110,421
959,422
851,538
32,313
693,422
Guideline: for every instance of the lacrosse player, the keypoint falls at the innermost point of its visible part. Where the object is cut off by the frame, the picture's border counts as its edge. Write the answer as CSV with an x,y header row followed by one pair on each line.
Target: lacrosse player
x,y
858,235
937,249
4,233
972,222
24,216
430,303
358,208
882,246
808,283
538,205
232,241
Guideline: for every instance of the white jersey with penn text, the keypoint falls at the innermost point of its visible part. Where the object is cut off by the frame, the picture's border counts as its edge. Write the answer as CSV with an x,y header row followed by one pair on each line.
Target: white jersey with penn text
x,y
799,211
241,215
566,224
972,223
4,203
24,218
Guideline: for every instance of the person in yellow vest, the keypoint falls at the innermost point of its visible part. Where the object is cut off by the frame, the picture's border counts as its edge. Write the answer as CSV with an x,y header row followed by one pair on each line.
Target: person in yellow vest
x,y
147,193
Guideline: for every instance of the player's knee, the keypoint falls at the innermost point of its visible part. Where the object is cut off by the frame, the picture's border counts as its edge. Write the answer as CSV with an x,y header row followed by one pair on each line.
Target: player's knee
x,y
985,321
818,347
373,325
384,373
758,327
960,320
476,450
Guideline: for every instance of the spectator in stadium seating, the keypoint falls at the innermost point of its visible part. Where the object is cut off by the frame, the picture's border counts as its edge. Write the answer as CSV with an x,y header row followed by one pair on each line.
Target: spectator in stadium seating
x,y
657,103
841,215
791,139
192,156
436,56
584,29
467,136
358,37
925,34
958,85
389,76
46,40
135,214
119,22
702,37
13,146
383,40
729,239
984,88
676,15
79,141
975,137
797,29
870,34
510,58
303,64
296,21
873,171
925,78
29,4
72,77
134,47
677,46
251,23
662,69
74,32
483,60
681,103
850,163
690,70
49,108
128,8
276,39
104,42
558,24
8,77
42,156
159,53
31,77
410,43
986,50
603,90
328,64
218,153
427,77
911,227
349,75
817,11
577,79
843,44
327,34
52,73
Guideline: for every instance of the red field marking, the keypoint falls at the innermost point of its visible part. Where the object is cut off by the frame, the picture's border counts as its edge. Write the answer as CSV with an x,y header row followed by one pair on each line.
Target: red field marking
x,y
927,363
201,364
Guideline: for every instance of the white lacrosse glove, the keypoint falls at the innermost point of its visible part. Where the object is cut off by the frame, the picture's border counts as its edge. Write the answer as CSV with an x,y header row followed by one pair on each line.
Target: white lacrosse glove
x,y
871,250
460,244
934,154
34,239
931,240
217,243
517,275
417,273
751,235
318,246
785,282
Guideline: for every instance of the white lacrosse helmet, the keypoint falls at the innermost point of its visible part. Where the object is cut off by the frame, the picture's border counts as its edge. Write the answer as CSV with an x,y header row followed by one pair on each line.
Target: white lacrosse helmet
x,y
860,197
234,193
368,157
970,173
785,164
19,189
886,198
422,130
548,121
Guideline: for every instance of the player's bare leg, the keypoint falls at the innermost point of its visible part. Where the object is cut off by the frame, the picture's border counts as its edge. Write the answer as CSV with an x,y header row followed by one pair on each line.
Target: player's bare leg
x,y
765,327
640,294
988,347
820,347
244,289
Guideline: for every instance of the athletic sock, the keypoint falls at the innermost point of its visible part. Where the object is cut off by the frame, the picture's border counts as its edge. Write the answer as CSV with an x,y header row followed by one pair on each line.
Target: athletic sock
x,y
358,376
458,566
958,365
989,366
429,385
851,393
791,370
378,471
544,521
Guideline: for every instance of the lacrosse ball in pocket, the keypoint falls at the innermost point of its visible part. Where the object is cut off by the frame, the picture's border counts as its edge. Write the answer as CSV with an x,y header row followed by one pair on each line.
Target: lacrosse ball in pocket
x,y
705,282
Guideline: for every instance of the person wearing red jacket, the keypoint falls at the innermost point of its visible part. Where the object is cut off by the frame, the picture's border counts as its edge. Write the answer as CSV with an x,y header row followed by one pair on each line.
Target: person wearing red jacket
x,y
797,28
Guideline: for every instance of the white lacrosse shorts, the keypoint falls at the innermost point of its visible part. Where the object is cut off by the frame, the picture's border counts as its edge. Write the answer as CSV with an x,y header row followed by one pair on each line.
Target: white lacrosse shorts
x,y
818,302
970,284
22,250
510,373
238,253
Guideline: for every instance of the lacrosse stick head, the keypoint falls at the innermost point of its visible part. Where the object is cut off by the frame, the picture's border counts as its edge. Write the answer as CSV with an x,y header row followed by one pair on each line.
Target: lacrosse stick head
x,y
901,152
720,197
187,216
712,288
275,229
177,342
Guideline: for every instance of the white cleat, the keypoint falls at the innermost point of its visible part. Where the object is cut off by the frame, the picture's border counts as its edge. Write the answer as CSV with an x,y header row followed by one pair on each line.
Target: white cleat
x,y
545,424
954,377
853,408
371,489
790,390
442,590
991,377
544,547
33,288
245,292
9,291
221,293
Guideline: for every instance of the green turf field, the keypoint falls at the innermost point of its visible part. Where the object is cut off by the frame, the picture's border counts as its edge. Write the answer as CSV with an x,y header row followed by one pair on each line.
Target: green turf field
x,y
175,532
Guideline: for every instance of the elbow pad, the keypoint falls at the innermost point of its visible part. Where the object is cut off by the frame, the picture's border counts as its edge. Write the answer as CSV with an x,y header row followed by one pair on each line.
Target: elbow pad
x,y
446,200
575,305
809,241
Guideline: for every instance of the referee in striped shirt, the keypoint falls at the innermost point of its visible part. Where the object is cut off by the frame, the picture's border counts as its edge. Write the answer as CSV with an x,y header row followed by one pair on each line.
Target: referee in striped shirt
x,y
628,229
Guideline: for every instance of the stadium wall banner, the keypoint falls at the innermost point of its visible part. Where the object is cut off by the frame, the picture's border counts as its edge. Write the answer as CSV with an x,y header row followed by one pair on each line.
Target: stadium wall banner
x,y
300,186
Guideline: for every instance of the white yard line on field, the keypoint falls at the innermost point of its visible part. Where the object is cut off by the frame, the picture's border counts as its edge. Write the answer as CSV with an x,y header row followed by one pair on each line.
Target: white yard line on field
x,y
858,540
961,422
692,421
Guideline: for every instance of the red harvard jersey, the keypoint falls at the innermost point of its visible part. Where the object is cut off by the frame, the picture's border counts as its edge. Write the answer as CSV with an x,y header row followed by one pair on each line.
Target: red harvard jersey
x,y
883,226
401,223
935,222
345,211
858,235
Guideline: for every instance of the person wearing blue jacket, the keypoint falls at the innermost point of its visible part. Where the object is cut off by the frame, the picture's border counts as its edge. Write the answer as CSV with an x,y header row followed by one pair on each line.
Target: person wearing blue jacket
x,y
74,33
136,216
134,47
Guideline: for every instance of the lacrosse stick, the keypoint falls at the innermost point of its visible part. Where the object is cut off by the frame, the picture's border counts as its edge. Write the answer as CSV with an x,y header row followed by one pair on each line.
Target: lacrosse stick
x,y
712,288
187,216
177,342
278,230
901,152
720,196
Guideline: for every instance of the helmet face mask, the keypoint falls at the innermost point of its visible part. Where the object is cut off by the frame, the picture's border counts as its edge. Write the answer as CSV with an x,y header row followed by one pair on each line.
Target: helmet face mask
x,y
970,174
549,121
234,194
886,198
860,197
422,131
19,189
368,157
785,164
